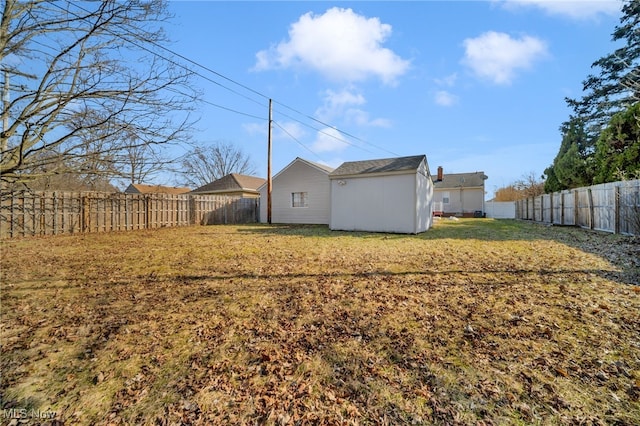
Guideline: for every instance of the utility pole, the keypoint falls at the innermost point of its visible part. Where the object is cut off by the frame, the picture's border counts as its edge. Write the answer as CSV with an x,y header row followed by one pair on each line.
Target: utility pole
x,y
269,169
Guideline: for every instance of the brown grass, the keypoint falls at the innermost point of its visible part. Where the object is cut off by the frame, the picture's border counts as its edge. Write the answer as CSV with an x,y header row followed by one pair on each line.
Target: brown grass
x,y
472,322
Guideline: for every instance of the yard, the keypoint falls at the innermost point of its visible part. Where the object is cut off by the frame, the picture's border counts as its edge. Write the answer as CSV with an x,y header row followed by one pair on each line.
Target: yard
x,y
473,322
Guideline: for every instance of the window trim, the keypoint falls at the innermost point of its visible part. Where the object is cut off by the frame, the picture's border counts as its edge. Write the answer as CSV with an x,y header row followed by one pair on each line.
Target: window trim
x,y
303,199
446,196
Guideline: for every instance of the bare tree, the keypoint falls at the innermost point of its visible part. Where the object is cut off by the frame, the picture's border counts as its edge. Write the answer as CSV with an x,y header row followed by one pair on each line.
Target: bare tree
x,y
139,162
525,187
90,74
206,163
530,185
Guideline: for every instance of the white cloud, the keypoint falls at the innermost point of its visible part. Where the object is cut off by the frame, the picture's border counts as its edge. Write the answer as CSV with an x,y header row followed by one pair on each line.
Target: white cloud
x,y
288,130
333,162
343,105
335,103
448,81
497,56
339,44
445,98
255,128
329,140
583,9
362,118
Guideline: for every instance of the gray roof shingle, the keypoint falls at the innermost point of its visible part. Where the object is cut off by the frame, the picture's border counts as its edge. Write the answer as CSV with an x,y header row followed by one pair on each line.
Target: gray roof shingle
x,y
140,188
382,165
232,182
460,180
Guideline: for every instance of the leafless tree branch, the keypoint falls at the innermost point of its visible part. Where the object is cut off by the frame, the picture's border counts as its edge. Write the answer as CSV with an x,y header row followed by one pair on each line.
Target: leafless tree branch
x,y
88,81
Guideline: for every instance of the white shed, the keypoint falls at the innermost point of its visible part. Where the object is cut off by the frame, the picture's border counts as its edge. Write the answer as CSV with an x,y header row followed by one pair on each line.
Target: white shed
x,y
386,195
299,194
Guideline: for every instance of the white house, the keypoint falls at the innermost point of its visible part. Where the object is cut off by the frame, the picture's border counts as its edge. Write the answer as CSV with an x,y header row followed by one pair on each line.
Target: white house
x,y
299,194
459,194
386,195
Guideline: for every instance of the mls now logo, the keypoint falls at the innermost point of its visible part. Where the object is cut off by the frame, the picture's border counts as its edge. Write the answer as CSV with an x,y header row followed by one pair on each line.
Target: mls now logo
x,y
23,413
16,413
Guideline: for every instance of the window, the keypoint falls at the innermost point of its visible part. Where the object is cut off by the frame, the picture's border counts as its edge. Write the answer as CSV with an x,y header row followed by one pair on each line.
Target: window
x,y
299,199
445,197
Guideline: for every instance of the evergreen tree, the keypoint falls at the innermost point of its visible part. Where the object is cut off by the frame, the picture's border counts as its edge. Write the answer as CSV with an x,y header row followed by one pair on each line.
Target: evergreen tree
x,y
618,148
617,85
570,168
614,89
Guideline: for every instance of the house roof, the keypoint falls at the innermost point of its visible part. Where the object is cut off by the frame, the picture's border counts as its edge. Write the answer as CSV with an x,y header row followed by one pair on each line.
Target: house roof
x,y
139,188
383,165
321,167
233,182
461,180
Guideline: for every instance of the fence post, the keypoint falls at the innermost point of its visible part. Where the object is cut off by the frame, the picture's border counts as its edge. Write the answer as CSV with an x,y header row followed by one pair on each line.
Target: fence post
x,y
225,207
43,215
84,213
591,213
12,214
147,211
533,210
616,210
23,206
33,214
576,213
55,213
191,210
562,208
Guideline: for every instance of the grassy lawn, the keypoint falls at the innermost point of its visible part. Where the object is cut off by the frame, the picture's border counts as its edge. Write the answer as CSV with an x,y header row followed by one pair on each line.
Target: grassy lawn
x,y
473,322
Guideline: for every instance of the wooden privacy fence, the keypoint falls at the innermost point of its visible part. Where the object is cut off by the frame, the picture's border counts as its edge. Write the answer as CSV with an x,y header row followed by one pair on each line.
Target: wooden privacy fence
x,y
611,207
27,213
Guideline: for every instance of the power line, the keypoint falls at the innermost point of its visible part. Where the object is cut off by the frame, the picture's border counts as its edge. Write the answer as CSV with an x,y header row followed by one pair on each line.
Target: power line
x,y
343,132
140,46
295,139
233,110
326,133
166,49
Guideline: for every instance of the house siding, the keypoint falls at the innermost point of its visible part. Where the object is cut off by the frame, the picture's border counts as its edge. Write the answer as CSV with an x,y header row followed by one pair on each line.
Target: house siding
x,y
398,203
461,200
423,199
297,177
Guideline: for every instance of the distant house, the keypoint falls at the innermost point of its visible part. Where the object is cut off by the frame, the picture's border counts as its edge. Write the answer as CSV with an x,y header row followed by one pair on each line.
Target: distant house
x,y
385,195
299,194
233,184
139,188
459,194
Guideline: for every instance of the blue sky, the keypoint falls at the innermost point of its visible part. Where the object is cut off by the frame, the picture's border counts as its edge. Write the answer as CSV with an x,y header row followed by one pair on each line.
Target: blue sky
x,y
474,85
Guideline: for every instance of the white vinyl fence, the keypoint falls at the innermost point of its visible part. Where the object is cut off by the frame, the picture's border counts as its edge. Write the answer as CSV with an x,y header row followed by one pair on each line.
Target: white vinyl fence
x,y
500,209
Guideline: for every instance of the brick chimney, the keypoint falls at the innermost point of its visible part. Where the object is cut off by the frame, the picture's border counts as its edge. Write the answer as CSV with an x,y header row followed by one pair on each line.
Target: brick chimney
x,y
440,173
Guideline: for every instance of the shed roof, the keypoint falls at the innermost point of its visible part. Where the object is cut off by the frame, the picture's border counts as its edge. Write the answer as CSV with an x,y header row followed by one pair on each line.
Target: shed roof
x,y
383,165
140,188
233,182
460,180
